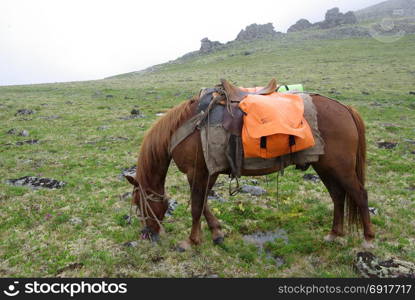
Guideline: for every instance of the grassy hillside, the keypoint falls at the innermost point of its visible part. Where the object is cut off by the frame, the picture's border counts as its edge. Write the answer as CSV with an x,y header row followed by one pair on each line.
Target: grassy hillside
x,y
80,230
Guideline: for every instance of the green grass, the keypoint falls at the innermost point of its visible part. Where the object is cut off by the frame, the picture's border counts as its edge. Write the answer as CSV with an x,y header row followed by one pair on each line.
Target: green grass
x,y
37,237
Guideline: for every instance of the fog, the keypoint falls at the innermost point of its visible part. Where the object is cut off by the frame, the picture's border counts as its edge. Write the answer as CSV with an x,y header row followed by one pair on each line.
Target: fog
x,y
54,41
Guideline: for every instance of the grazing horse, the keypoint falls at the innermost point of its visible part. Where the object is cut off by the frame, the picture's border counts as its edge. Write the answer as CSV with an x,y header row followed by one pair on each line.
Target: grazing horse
x,y
341,168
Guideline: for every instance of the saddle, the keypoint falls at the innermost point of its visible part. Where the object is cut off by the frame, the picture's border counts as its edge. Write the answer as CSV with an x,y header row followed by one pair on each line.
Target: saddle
x,y
275,121
220,119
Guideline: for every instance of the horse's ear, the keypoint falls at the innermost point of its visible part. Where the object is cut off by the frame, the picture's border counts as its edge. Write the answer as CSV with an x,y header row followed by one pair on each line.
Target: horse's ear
x,y
131,180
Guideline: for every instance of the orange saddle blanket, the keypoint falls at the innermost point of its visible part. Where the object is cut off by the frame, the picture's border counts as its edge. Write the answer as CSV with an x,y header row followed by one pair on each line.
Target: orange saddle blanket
x,y
274,125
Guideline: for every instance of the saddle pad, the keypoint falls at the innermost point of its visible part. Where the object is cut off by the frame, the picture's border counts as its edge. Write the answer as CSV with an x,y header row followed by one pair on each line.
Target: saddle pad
x,y
269,122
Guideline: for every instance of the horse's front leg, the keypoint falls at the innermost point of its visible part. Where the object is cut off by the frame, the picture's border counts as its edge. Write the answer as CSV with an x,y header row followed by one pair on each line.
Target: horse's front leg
x,y
200,183
214,226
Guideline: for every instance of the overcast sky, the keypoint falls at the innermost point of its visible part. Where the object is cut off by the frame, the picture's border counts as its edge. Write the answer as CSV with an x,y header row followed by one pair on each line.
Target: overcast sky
x,y
69,40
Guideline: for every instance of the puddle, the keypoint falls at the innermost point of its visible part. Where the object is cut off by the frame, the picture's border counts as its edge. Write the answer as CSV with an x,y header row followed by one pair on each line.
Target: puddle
x,y
260,238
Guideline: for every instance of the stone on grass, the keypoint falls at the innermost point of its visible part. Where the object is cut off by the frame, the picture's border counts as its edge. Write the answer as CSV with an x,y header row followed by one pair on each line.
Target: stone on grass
x,y
131,244
387,145
373,211
24,133
36,182
24,112
370,266
30,142
75,221
253,190
311,177
128,172
172,206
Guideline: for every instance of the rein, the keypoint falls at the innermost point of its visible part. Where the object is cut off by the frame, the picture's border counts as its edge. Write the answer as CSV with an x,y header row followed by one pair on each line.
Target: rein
x,y
146,207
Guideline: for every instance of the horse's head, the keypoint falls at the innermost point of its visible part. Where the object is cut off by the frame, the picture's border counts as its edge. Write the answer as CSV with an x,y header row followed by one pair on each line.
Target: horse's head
x,y
152,208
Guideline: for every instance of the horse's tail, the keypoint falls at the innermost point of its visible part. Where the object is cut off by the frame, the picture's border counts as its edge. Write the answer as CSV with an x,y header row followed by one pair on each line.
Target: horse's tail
x,y
352,208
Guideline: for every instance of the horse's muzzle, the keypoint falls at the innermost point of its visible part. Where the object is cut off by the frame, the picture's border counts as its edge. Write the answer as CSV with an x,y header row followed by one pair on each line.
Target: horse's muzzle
x,y
149,234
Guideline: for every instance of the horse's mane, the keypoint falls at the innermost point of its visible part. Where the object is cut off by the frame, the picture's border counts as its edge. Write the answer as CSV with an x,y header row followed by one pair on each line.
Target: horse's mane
x,y
154,148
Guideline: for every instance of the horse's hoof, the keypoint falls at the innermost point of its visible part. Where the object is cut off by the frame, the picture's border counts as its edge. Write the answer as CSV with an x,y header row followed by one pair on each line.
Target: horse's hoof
x,y
180,249
183,246
367,245
330,237
218,240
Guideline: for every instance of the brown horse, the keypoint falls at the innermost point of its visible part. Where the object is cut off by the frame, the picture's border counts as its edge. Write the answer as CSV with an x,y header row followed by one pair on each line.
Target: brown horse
x,y
341,168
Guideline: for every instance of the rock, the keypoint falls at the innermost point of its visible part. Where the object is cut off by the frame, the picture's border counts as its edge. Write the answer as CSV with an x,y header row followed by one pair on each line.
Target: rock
x,y
253,190
209,46
132,244
215,197
335,18
12,131
365,93
246,53
411,93
103,127
135,111
69,102
128,172
253,181
373,211
255,31
30,142
160,114
127,219
369,266
311,177
172,206
387,145
75,221
126,195
409,141
109,96
301,25
375,104
35,182
24,112
24,133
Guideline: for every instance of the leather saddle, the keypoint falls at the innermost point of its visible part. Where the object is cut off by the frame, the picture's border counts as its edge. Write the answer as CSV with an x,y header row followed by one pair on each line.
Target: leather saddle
x,y
220,105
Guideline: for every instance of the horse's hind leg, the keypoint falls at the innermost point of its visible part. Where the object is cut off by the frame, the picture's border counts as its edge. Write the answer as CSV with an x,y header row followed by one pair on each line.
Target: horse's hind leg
x,y
358,194
338,195
343,183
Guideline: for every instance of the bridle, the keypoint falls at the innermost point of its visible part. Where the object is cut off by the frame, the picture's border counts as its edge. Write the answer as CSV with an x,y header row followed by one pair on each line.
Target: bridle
x,y
144,205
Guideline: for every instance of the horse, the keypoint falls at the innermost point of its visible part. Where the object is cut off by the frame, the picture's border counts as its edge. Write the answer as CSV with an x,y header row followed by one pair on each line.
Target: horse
x,y
341,168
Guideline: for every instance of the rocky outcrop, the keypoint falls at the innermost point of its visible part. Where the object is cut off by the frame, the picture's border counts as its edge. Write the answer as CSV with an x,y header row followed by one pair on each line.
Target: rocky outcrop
x,y
335,18
209,46
301,25
255,31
